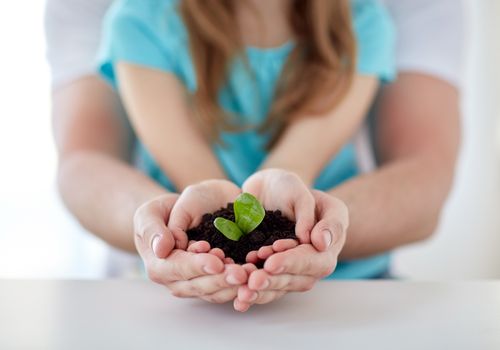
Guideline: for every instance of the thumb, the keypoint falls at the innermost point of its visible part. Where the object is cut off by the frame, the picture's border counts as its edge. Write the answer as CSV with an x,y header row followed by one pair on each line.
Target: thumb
x,y
163,244
152,236
333,218
178,224
304,216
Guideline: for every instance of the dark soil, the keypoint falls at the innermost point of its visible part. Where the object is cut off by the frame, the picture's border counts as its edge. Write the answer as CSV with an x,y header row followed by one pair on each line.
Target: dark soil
x,y
274,226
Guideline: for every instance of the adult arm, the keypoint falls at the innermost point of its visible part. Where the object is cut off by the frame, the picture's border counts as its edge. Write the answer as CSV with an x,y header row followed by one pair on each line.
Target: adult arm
x,y
121,205
95,180
164,124
418,132
418,139
308,143
99,186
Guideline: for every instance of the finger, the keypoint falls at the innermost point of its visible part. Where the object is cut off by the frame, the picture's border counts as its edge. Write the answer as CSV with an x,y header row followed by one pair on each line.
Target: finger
x,y
181,238
240,306
261,281
181,266
265,297
222,296
331,228
302,260
218,253
199,247
248,296
249,268
233,275
162,244
152,236
304,211
265,252
252,257
196,200
284,244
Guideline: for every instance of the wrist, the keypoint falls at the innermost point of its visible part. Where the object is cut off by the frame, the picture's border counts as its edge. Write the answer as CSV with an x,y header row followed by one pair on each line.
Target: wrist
x,y
302,173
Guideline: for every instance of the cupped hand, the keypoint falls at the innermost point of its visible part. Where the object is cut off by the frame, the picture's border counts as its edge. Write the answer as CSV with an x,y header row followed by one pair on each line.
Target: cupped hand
x,y
197,200
299,268
283,190
184,273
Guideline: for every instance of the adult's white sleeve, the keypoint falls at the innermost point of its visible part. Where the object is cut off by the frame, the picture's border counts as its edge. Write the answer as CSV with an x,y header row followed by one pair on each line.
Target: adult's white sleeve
x,y
73,31
430,37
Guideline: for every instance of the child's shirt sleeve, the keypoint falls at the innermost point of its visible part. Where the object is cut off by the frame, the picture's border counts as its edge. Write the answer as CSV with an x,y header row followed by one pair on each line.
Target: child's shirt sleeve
x,y
376,39
133,33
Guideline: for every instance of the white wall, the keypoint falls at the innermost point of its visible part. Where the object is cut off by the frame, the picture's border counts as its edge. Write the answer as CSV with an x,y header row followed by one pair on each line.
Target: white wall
x,y
37,237
467,244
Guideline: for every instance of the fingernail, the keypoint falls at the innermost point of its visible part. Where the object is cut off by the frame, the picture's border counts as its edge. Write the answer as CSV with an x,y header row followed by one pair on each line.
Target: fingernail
x,y
154,244
231,279
266,284
253,297
327,238
210,270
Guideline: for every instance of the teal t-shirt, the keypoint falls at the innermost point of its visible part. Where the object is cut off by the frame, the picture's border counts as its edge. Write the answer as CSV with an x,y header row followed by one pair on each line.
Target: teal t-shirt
x,y
151,33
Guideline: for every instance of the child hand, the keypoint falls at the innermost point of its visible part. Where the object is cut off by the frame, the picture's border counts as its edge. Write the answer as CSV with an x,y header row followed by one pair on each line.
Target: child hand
x,y
282,190
195,201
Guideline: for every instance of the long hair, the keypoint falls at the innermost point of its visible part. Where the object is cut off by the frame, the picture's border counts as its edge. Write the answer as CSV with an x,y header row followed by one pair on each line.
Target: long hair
x,y
316,76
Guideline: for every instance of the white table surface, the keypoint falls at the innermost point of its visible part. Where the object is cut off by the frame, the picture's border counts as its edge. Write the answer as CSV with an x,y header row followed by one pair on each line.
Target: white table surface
x,y
334,315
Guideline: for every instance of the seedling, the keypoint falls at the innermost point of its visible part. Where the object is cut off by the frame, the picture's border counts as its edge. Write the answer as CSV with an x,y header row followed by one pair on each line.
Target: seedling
x,y
248,214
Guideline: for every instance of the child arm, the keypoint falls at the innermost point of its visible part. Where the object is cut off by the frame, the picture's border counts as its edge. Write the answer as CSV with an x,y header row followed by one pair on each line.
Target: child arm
x,y
308,143
157,106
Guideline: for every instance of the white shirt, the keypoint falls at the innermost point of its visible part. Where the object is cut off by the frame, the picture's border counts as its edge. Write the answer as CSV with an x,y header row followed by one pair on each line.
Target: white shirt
x,y
430,37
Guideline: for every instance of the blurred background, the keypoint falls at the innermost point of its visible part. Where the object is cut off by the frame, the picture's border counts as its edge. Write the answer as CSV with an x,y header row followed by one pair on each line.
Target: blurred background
x,y
39,239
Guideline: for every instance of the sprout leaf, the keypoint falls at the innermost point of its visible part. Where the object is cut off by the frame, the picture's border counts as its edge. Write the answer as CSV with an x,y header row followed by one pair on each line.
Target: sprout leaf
x,y
228,228
248,212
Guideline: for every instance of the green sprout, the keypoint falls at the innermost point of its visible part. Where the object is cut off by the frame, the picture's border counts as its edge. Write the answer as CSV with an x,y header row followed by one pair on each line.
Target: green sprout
x,y
248,214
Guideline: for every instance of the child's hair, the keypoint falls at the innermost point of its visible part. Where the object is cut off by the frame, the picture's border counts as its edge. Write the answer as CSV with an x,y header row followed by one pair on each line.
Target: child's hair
x,y
316,75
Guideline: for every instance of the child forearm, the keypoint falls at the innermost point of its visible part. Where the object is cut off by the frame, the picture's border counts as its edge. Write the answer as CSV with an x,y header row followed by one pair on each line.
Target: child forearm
x,y
309,143
157,106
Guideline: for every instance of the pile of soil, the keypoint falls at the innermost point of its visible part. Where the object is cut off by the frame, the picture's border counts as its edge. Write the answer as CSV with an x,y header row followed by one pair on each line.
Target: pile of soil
x,y
274,226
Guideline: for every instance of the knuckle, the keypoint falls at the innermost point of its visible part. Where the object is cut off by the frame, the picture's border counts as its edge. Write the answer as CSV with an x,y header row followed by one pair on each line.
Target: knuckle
x,y
220,283
181,274
307,265
216,299
178,294
194,290
336,227
306,286
282,282
153,275
327,270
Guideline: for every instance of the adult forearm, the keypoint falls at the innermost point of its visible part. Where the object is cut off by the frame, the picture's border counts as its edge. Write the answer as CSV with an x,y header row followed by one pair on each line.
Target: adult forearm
x,y
103,193
398,204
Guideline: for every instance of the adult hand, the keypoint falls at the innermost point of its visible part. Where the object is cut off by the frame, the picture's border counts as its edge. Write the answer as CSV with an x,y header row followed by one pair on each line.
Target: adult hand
x,y
299,268
185,274
282,190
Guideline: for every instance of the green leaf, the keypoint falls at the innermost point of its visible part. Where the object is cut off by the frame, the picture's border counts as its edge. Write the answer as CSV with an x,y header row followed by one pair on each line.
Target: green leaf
x,y
248,212
228,229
